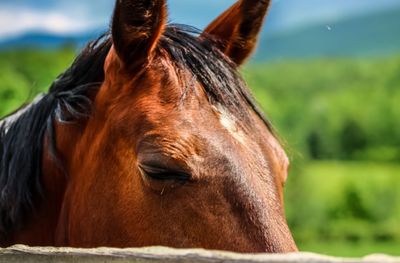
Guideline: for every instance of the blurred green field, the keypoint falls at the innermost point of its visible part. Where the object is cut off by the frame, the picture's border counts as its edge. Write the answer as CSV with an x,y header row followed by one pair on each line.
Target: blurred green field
x,y
345,208
339,120
348,249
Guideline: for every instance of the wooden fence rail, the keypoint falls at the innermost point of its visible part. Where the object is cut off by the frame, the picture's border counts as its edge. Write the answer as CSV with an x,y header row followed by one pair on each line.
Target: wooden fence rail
x,y
160,254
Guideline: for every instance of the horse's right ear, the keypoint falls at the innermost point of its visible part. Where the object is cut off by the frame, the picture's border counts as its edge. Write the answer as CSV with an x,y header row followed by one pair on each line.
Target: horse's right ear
x,y
136,28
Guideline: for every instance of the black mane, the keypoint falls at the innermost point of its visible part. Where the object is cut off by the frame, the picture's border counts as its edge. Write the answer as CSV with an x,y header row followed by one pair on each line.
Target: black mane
x,y
21,142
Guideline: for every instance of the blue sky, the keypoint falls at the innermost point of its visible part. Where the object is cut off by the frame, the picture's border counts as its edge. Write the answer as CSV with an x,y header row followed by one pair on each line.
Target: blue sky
x,y
74,16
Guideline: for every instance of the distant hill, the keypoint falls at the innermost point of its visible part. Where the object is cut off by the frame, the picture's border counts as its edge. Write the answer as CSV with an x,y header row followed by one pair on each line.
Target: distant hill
x,y
46,40
375,34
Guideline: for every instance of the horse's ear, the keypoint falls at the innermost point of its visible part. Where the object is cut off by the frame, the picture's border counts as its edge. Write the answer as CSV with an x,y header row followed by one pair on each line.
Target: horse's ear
x,y
136,28
237,29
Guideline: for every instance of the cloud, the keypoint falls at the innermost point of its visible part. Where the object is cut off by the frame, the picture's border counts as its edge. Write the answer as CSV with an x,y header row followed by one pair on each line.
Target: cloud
x,y
17,21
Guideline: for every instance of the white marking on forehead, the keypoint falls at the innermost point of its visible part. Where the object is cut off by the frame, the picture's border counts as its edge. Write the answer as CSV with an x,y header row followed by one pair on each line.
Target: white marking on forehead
x,y
253,152
7,122
229,122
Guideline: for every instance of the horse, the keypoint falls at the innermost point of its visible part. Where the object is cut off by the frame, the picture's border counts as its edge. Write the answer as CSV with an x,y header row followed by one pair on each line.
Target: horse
x,y
150,138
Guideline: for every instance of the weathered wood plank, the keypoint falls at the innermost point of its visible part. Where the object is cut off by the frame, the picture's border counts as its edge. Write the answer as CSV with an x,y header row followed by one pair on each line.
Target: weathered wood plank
x,y
160,254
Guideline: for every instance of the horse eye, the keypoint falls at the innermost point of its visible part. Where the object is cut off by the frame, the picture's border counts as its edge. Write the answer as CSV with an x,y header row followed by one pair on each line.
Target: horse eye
x,y
161,173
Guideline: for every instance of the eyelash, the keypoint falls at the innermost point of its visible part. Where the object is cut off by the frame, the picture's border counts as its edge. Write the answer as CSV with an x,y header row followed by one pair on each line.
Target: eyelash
x,y
158,173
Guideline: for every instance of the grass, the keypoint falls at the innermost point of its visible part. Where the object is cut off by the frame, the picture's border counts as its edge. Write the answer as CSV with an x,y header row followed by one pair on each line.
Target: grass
x,y
347,249
345,208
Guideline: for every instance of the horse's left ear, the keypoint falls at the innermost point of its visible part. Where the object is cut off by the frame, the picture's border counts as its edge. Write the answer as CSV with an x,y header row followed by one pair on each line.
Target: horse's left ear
x,y
136,28
237,29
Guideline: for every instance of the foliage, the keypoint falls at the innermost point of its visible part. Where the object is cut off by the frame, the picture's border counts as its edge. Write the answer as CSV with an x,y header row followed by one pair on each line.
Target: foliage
x,y
24,73
333,109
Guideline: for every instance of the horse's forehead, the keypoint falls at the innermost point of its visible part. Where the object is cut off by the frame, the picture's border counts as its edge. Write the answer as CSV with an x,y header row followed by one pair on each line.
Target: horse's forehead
x,y
191,112
214,132
247,147
184,109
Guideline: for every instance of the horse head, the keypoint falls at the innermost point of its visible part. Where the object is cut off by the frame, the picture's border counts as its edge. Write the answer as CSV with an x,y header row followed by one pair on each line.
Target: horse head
x,y
173,150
